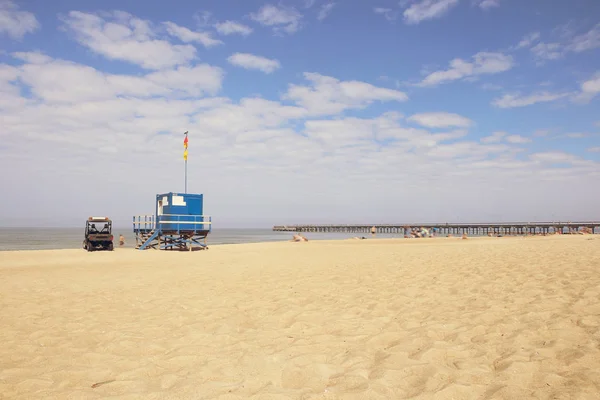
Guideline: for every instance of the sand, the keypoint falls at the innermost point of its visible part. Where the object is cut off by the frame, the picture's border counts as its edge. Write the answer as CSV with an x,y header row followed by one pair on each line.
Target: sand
x,y
484,318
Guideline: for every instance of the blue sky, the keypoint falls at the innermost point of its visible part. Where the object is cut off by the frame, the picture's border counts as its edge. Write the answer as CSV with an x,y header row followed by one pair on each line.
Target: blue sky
x,y
301,111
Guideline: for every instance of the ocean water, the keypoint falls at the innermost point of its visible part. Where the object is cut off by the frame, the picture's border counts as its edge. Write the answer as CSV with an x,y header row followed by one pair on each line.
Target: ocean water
x,y
72,238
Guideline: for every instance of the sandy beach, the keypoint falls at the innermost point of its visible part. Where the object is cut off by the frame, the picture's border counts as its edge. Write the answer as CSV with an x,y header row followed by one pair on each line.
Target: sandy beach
x,y
484,318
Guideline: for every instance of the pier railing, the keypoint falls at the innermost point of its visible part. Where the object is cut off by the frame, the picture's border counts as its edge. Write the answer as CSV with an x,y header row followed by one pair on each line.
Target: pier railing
x,y
452,228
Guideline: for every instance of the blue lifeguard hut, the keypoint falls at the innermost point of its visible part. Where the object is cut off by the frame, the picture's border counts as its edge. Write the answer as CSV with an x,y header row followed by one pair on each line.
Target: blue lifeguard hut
x,y
178,223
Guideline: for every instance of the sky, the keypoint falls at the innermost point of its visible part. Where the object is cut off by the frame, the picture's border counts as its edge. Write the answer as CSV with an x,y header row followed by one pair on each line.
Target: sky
x,y
301,111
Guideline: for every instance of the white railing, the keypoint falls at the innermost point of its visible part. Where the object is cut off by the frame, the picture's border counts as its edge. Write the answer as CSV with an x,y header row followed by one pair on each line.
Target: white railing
x,y
191,222
143,222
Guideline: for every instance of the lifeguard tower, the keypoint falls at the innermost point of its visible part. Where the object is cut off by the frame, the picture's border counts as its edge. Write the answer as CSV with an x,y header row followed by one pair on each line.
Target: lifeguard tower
x,y
178,224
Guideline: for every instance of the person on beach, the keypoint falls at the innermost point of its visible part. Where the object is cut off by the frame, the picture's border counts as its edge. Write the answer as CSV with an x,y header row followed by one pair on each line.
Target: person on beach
x,y
299,238
121,239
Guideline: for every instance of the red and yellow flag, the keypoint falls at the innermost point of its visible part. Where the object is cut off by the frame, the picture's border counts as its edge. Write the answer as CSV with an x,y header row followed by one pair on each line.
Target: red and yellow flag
x,y
185,146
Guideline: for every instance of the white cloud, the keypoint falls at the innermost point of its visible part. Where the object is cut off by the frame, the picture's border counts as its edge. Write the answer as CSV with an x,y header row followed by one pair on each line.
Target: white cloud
x,y
328,95
281,18
331,133
576,135
428,9
548,51
32,57
15,23
487,4
541,132
232,27
496,137
589,90
195,81
466,151
528,40
553,157
128,39
568,43
491,86
518,100
594,149
388,13
592,85
440,120
587,41
187,35
325,10
500,136
251,61
484,63
351,132
250,115
59,81
517,139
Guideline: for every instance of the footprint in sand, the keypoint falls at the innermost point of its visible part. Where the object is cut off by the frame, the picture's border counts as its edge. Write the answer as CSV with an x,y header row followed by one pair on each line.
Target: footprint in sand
x,y
168,381
569,356
348,383
589,322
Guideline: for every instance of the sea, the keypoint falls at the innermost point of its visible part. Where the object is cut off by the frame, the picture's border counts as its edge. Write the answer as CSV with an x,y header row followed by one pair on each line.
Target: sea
x,y
72,238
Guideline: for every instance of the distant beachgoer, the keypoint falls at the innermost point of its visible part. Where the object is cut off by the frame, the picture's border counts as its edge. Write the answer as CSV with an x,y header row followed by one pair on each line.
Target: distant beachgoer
x,y
299,238
121,240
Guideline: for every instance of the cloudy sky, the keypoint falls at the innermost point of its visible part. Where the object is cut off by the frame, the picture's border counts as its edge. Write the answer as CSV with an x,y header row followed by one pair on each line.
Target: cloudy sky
x,y
301,111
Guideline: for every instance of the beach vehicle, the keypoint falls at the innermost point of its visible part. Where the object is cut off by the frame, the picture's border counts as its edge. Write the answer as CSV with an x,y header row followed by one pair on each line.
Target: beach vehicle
x,y
98,239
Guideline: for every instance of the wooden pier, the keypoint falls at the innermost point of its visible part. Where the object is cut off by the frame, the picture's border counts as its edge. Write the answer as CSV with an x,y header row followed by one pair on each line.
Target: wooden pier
x,y
502,228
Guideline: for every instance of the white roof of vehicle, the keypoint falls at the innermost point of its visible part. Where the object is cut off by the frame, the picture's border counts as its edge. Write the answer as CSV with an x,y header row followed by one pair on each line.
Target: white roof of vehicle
x,y
98,219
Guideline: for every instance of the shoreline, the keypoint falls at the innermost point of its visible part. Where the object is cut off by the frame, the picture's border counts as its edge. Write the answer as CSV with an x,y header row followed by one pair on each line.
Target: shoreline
x,y
367,238
377,240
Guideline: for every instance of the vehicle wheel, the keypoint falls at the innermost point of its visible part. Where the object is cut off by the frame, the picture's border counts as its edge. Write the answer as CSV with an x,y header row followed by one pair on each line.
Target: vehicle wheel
x,y
110,247
90,247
